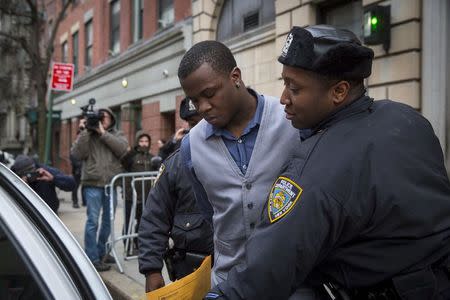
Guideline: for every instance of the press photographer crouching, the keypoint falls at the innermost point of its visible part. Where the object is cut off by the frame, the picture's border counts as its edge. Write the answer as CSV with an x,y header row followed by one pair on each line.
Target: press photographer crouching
x,y
100,147
43,179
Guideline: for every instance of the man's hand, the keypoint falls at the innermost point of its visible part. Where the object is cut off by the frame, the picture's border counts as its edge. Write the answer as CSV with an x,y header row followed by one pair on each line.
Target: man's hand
x,y
180,134
44,175
153,281
100,130
82,124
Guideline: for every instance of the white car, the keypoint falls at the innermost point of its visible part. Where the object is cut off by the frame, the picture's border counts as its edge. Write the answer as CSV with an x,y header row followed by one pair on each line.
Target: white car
x,y
39,257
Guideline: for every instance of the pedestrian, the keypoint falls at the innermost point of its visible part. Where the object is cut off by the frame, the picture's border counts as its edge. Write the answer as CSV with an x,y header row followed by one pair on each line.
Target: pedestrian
x,y
43,179
362,211
235,152
170,212
138,159
100,148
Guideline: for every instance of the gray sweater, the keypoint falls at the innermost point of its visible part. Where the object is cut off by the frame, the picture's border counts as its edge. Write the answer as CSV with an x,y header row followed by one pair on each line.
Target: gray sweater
x,y
238,199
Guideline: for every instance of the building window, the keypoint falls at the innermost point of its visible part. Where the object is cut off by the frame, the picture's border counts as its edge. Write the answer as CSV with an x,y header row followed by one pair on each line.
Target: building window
x,y
118,116
137,19
239,16
137,117
64,51
75,51
115,27
343,14
166,13
89,37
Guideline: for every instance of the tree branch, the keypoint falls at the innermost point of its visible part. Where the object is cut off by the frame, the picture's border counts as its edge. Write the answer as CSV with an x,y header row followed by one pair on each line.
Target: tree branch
x,y
19,40
14,13
32,6
51,40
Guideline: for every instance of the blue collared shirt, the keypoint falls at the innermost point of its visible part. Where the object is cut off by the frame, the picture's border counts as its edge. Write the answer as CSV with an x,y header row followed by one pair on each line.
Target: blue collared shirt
x,y
241,147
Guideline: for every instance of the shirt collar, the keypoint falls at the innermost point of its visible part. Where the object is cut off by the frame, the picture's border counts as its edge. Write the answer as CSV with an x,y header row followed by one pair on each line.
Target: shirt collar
x,y
211,130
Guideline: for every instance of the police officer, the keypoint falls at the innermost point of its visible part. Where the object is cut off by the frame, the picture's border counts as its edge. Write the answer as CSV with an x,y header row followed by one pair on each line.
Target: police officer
x,y
170,212
363,210
189,114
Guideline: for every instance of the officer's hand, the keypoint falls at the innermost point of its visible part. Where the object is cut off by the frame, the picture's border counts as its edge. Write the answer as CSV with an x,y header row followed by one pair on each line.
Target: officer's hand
x,y
180,134
154,281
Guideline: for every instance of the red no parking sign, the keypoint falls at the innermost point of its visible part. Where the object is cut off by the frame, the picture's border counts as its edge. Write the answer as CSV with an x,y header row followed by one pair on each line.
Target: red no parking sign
x,y
62,77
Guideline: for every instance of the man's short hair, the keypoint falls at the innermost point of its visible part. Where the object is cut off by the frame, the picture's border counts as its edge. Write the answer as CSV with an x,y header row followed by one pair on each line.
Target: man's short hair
x,y
214,53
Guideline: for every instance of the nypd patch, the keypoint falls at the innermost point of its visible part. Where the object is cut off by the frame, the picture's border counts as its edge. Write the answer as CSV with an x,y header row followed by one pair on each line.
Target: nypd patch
x,y
283,196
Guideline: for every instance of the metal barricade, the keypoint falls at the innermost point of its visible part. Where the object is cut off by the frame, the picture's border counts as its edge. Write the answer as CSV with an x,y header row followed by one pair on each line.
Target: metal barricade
x,y
127,235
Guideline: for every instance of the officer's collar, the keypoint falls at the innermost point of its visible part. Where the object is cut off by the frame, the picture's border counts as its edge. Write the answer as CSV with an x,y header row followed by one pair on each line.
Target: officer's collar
x,y
357,106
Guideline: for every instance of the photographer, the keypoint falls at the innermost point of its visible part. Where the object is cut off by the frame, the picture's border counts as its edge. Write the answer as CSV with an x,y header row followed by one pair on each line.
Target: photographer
x,y
43,179
100,148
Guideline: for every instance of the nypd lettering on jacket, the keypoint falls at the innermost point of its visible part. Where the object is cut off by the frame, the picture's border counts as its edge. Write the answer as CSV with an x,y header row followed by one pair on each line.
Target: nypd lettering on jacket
x,y
283,196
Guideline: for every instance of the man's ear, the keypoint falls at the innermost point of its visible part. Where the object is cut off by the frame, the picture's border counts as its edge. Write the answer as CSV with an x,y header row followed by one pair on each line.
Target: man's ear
x,y
235,74
339,91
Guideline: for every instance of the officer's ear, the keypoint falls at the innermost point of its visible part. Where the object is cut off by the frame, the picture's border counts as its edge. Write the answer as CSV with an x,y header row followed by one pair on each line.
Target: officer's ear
x,y
339,91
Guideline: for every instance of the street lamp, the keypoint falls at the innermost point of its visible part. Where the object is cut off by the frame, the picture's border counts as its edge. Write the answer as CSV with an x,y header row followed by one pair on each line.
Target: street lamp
x,y
124,82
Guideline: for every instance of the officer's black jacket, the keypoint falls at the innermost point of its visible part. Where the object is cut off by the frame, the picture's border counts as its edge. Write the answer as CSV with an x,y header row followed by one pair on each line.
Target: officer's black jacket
x,y
374,203
170,211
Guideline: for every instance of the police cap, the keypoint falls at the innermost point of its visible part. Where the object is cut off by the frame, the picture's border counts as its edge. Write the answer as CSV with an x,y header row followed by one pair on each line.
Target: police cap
x,y
328,51
187,109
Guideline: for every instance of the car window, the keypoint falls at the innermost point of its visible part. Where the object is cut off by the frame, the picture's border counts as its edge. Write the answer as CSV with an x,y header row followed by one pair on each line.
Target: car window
x,y
16,281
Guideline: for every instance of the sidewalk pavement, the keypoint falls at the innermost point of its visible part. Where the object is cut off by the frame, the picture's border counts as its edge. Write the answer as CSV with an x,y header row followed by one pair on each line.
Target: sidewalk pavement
x,y
127,286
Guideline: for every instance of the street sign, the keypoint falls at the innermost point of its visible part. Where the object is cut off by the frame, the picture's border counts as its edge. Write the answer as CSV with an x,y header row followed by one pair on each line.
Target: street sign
x,y
62,77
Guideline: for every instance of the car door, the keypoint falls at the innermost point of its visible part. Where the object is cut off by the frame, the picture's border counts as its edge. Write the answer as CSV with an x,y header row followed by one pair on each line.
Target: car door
x,y
39,257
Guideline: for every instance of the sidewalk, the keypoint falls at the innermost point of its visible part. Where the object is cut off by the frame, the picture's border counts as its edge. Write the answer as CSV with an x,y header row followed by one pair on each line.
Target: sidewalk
x,y
127,286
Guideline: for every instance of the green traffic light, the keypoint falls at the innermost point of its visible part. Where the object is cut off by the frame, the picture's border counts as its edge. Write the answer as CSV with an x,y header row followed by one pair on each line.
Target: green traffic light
x,y
374,21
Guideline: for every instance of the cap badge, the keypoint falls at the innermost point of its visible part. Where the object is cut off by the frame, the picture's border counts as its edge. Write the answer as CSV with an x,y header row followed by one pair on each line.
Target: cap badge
x,y
286,46
191,105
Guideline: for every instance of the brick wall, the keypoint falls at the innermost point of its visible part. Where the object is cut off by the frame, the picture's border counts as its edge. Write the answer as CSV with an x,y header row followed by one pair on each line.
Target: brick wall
x,y
151,122
182,9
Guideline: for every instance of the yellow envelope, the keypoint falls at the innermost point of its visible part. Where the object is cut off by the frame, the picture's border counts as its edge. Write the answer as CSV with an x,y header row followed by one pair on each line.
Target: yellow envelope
x,y
192,287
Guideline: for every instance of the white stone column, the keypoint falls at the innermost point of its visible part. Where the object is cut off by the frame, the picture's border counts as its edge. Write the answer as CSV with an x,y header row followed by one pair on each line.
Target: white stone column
x,y
435,61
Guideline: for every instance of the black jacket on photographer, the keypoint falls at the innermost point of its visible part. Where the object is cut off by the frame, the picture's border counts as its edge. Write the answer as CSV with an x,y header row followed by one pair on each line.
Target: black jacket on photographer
x,y
24,165
170,211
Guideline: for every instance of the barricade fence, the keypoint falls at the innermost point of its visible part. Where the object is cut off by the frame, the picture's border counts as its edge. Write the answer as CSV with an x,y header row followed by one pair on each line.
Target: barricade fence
x,y
134,188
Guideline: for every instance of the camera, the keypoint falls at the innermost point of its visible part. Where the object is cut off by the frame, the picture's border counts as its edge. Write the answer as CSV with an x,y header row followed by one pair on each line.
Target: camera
x,y
93,117
32,176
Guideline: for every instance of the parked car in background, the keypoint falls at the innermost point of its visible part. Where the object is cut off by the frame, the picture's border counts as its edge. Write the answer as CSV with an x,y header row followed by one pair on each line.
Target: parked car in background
x,y
39,257
6,158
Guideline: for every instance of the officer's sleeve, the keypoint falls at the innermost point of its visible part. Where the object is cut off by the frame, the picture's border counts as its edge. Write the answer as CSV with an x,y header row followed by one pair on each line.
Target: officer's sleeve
x,y
282,252
157,220
200,194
